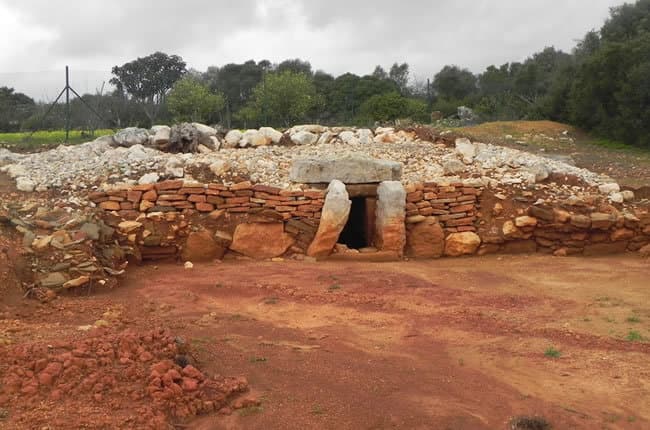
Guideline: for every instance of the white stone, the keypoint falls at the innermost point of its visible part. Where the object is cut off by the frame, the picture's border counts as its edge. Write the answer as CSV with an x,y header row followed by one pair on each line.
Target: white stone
x,y
272,134
616,198
25,184
609,188
466,149
232,138
220,167
628,195
304,138
131,136
148,178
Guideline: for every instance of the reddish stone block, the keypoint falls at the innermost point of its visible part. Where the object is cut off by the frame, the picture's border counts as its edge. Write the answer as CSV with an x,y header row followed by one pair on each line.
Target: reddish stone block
x,y
110,205
218,187
267,189
169,185
237,200
204,207
462,208
414,196
134,196
126,206
460,222
314,194
150,196
143,187
216,200
197,198
116,198
246,185
191,190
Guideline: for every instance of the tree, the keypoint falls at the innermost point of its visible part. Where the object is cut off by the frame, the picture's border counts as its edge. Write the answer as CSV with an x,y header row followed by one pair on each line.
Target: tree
x,y
191,101
14,109
454,83
383,107
295,65
282,99
399,73
236,83
148,79
379,73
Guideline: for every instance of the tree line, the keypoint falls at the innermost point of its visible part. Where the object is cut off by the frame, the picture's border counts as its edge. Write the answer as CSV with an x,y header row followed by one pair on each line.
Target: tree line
x,y
603,86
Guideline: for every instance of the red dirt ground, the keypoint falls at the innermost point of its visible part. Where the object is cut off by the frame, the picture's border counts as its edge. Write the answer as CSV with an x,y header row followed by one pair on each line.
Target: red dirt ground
x,y
446,344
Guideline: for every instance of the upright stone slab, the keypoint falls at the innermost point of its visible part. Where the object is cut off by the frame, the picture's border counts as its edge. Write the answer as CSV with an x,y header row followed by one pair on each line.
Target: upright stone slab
x,y
352,169
336,211
391,214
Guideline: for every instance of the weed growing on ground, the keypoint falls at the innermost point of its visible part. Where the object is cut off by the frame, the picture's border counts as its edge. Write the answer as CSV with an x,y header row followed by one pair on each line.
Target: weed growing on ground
x,y
529,423
334,287
251,410
633,319
317,410
551,352
634,336
257,359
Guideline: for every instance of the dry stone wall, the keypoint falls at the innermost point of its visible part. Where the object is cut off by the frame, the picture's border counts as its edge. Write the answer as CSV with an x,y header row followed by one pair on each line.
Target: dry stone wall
x,y
197,221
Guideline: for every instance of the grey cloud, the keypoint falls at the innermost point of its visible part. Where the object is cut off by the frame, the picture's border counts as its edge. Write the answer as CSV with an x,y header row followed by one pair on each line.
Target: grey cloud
x,y
335,35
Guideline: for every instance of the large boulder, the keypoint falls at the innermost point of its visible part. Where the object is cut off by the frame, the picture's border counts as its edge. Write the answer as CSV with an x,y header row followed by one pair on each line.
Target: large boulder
x,y
183,138
391,214
465,243
131,136
466,149
206,133
232,139
336,211
261,240
201,246
425,239
160,135
352,169
272,134
254,138
304,138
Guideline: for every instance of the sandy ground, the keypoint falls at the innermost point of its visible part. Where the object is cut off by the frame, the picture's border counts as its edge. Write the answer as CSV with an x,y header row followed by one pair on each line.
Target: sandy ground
x,y
446,344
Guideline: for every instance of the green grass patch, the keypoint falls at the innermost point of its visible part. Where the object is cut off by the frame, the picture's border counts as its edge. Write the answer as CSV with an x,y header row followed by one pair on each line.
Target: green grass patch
x,y
26,140
551,352
633,319
258,360
334,287
634,336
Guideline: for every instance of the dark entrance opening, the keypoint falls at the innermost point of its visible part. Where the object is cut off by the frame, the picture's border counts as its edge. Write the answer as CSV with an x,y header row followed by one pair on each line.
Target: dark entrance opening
x,y
359,231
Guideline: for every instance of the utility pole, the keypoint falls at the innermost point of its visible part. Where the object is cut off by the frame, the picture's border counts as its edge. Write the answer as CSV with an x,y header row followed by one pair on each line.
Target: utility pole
x,y
67,103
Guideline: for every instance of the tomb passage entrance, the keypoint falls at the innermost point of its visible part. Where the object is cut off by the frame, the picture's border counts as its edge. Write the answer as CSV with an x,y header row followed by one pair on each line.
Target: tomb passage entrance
x,y
359,232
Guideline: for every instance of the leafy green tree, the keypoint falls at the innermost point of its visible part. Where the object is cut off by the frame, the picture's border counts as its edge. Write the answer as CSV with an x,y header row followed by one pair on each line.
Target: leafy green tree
x,y
14,109
295,65
236,82
454,83
191,101
391,106
148,79
282,99
399,73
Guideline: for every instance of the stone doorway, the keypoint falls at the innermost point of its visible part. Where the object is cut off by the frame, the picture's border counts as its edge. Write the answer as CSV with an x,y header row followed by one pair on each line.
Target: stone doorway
x,y
359,230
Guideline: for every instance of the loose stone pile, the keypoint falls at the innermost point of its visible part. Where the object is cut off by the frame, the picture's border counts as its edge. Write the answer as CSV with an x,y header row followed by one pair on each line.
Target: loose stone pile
x,y
148,369
267,156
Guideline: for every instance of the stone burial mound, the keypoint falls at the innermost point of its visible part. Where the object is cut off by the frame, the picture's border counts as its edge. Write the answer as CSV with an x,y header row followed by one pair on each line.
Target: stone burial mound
x,y
194,193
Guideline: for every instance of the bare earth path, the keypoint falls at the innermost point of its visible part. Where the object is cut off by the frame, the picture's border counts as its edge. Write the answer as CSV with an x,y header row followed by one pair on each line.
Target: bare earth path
x,y
448,344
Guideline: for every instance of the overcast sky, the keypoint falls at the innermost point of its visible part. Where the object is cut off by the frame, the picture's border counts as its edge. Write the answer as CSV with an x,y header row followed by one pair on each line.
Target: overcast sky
x,y
39,37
